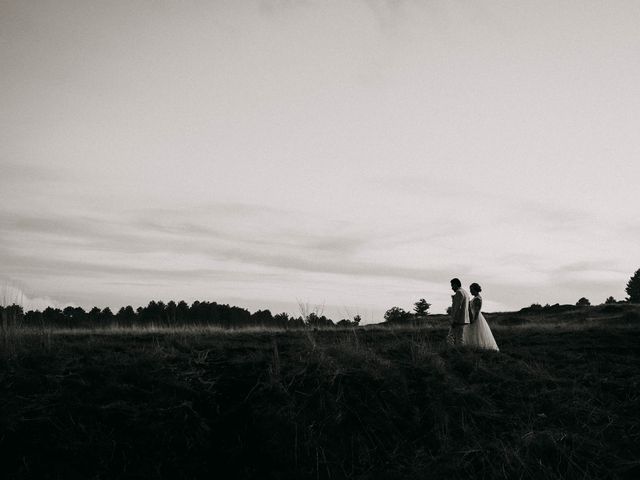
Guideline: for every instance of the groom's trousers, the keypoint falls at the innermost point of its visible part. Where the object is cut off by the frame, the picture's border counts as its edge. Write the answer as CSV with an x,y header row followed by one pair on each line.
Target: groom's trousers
x,y
456,331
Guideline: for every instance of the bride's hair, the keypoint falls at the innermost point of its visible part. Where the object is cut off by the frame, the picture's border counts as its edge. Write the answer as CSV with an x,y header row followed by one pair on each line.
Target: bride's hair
x,y
476,287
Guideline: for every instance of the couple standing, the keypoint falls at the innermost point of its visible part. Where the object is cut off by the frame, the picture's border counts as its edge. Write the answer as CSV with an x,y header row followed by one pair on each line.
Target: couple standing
x,y
468,325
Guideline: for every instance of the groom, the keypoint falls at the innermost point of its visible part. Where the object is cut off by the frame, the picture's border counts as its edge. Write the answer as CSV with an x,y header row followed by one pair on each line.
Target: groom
x,y
459,313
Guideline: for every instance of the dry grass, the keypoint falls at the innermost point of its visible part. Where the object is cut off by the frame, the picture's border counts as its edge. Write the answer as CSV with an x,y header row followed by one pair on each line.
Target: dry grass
x,y
559,401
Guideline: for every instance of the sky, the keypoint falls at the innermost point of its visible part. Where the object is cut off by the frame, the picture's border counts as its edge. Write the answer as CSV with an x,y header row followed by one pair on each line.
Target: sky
x,y
349,156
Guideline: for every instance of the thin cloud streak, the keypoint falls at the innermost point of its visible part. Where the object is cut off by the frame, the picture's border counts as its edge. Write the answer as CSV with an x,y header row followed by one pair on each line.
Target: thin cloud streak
x,y
132,249
313,254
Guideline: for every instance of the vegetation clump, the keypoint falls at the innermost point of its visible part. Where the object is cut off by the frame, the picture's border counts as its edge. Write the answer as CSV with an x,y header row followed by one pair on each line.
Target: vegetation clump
x,y
633,288
583,302
311,404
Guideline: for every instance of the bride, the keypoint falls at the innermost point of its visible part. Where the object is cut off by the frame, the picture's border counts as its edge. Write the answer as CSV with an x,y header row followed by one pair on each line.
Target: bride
x,y
478,334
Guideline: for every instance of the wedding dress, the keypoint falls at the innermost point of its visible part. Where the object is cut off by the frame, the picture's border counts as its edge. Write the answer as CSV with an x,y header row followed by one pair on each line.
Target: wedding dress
x,y
478,334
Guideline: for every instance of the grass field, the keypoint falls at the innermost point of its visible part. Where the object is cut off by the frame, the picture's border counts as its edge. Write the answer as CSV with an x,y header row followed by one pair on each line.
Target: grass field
x,y
561,400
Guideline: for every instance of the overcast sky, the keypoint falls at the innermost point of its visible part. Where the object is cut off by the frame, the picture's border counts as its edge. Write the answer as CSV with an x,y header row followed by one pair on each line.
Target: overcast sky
x,y
352,154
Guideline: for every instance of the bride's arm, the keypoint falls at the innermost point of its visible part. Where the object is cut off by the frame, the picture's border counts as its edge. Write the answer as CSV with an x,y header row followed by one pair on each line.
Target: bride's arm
x,y
477,308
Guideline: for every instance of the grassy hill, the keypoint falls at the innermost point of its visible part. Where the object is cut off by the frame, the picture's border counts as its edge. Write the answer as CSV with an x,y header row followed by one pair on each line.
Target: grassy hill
x,y
561,400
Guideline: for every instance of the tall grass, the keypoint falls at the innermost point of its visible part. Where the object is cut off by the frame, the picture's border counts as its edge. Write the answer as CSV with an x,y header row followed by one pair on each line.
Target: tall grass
x,y
558,401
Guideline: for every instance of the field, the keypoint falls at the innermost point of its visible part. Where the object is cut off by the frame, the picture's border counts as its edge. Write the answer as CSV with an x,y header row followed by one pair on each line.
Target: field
x,y
561,400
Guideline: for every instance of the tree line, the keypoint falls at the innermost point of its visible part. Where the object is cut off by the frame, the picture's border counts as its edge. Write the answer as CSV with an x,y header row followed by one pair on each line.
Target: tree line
x,y
169,314
632,289
226,316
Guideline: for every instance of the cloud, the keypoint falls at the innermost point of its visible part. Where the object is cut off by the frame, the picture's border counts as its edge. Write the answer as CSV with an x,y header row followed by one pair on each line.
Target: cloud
x,y
54,245
251,243
12,292
235,247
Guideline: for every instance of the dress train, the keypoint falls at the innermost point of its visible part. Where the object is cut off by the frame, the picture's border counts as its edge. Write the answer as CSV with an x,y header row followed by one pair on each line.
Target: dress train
x,y
478,334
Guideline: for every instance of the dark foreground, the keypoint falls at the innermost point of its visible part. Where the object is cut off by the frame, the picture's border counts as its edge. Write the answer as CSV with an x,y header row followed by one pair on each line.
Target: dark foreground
x,y
556,403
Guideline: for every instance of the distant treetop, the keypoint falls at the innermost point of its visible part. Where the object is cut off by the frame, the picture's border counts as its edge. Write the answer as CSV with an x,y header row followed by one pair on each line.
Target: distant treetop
x,y
633,287
583,302
421,308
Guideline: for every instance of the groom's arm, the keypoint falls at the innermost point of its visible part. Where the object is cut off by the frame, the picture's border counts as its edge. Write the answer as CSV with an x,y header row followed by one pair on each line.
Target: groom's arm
x,y
455,306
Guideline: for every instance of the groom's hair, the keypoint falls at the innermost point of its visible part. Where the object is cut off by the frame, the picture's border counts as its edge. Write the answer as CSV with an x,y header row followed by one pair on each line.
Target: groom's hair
x,y
456,283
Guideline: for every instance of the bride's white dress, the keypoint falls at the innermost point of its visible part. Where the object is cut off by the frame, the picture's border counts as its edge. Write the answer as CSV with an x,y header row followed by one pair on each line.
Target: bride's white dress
x,y
478,334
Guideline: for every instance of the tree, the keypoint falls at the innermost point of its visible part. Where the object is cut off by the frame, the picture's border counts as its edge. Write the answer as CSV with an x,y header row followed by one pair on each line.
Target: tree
x,y
182,312
421,308
33,318
52,316
106,314
281,319
315,320
262,317
610,301
583,302
152,313
94,315
74,315
297,322
126,315
68,312
11,315
396,314
633,288
171,312
345,322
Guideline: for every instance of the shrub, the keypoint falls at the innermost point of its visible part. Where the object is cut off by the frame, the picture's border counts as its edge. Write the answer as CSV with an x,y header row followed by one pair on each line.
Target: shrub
x,y
421,308
535,307
583,302
557,308
396,314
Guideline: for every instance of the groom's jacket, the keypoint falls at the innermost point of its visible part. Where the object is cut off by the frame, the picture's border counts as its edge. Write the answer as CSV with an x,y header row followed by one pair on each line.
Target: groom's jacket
x,y
460,308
